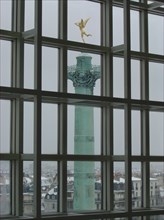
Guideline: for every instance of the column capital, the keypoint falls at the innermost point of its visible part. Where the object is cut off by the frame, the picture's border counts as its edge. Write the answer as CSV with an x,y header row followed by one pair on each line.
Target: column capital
x,y
87,80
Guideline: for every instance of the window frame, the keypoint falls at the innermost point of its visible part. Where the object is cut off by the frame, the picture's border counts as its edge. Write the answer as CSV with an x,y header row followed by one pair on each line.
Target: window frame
x,y
17,94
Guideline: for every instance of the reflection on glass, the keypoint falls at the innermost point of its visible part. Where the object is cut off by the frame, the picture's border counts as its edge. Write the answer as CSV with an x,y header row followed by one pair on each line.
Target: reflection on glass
x,y
119,132
135,79
118,26
118,77
78,10
84,72
5,14
5,206
119,185
49,187
156,184
137,218
84,126
29,66
84,185
136,185
120,218
134,22
156,81
5,109
29,15
5,63
156,133
28,130
49,69
50,18
156,34
28,188
136,133
49,128
154,217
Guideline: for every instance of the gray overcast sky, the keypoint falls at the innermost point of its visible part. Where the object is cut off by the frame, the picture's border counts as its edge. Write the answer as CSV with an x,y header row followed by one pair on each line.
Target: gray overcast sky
x,y
82,9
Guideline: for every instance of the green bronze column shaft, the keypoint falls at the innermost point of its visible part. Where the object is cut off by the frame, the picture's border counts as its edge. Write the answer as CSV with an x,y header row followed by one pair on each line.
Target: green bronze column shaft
x,y
84,183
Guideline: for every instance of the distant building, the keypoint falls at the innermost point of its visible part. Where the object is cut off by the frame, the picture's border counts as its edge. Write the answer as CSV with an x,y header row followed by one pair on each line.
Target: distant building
x,y
50,200
4,194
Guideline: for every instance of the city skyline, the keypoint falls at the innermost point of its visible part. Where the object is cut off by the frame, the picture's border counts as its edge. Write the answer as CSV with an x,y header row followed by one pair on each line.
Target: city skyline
x,y
49,74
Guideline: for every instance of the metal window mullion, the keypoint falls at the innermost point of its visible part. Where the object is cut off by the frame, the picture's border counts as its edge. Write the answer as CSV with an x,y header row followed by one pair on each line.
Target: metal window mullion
x,y
145,113
110,145
127,87
17,110
19,163
62,109
128,165
62,164
14,178
107,113
107,131
145,164
37,109
107,40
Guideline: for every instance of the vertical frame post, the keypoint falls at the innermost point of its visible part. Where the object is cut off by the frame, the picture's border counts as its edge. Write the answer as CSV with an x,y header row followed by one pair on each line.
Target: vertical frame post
x,y
17,109
145,113
127,72
62,109
37,108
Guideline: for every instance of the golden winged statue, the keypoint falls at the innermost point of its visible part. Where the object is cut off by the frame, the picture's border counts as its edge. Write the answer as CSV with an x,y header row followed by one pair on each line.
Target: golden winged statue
x,y
81,26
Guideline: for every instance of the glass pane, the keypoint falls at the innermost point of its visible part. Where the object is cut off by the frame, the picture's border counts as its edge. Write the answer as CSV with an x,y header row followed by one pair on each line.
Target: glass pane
x,y
120,218
29,66
50,18
49,128
135,79
155,217
136,133
28,130
118,77
157,184
119,132
151,217
156,133
84,72
83,186
156,81
5,185
5,14
49,186
29,14
5,119
49,69
149,2
137,218
136,185
84,130
118,26
135,34
28,188
156,34
5,63
78,14
119,186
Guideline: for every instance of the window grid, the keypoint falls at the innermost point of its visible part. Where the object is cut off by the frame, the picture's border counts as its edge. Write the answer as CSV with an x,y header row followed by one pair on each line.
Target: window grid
x,y
17,95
